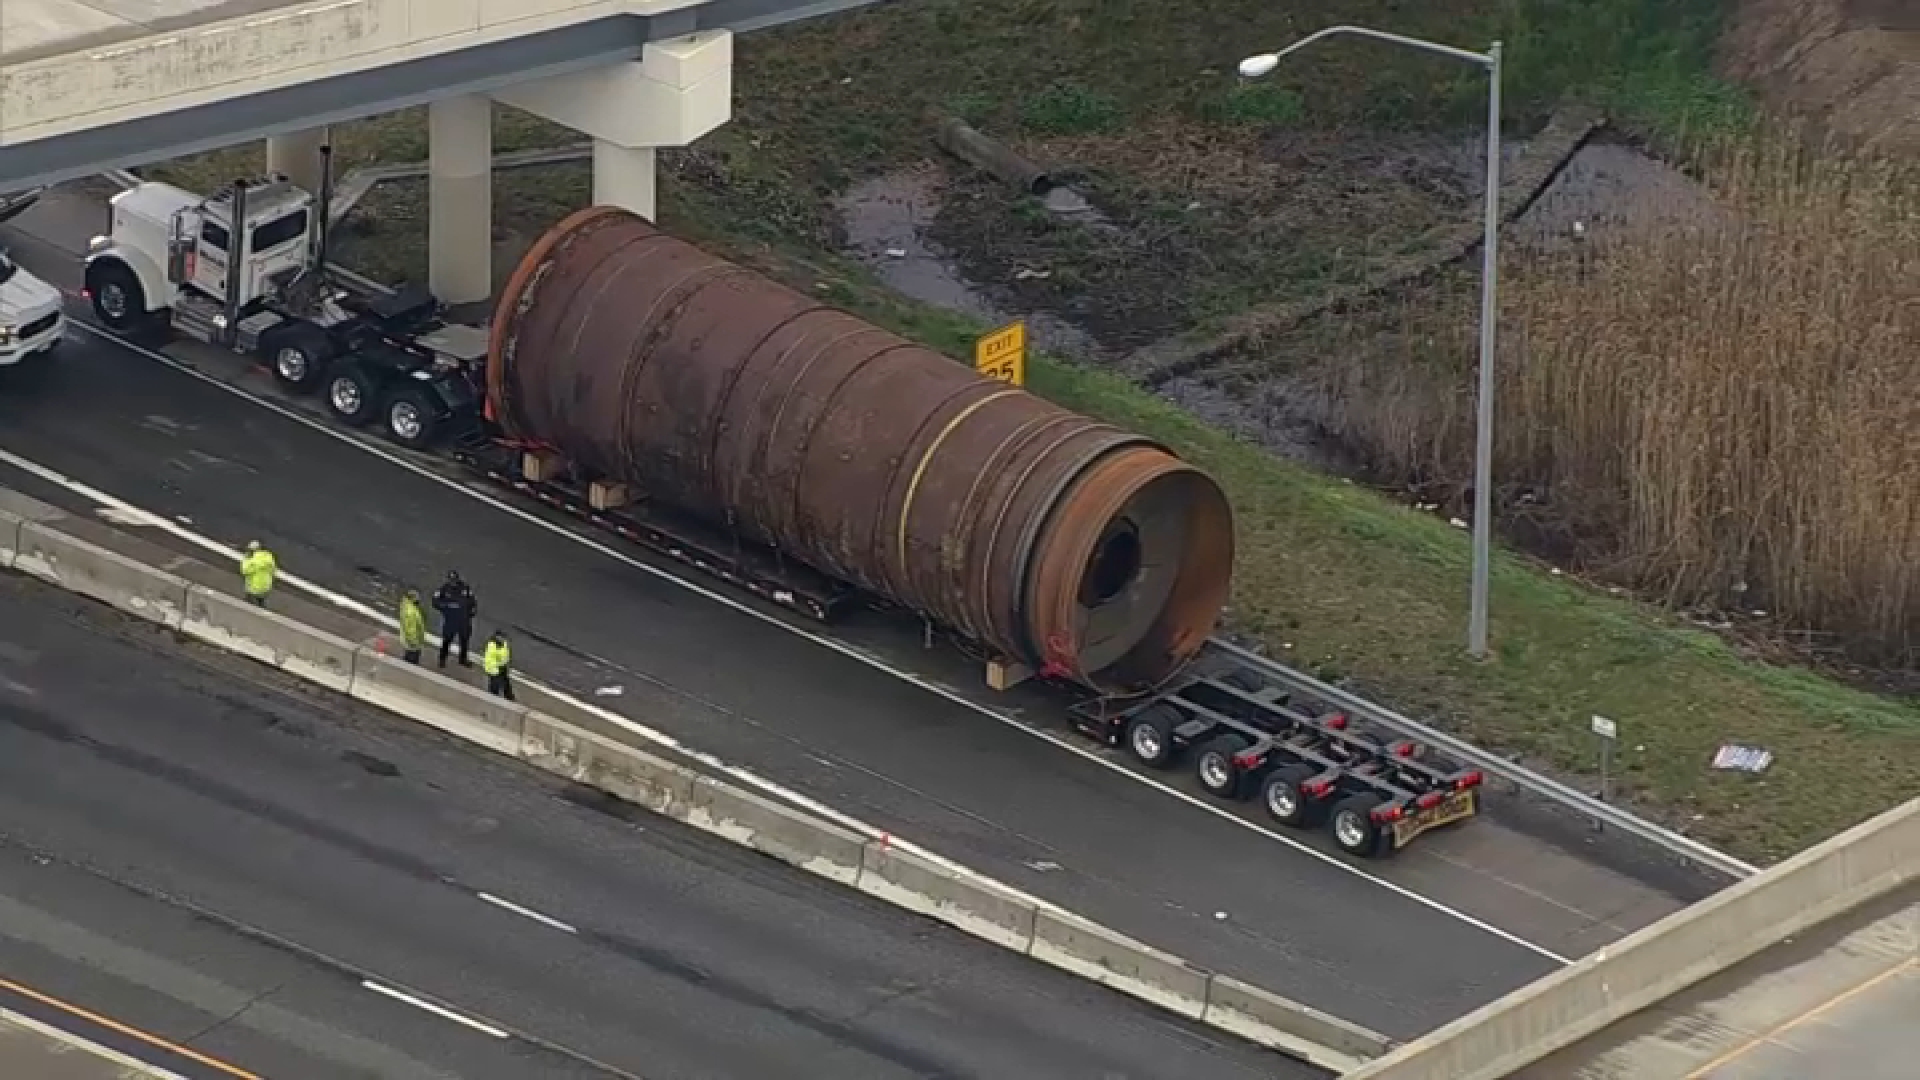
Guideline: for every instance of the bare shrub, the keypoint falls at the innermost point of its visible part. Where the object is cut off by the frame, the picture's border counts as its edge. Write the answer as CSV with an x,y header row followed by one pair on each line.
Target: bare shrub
x,y
1724,408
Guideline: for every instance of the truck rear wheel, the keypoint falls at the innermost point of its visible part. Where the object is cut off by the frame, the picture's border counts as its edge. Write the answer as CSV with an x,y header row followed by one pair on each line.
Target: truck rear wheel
x,y
352,395
1149,735
1353,827
1284,800
297,354
1217,770
412,418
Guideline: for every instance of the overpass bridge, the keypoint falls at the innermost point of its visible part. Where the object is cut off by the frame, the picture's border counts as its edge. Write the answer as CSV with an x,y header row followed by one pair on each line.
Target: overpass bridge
x,y
1809,969
89,86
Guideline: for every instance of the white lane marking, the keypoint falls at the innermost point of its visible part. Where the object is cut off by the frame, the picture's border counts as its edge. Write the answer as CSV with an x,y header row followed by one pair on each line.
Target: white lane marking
x,y
527,912
821,640
133,1065
439,1011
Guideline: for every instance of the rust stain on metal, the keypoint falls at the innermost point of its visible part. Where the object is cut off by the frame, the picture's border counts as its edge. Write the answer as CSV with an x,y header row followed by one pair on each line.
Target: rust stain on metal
x,y
1058,541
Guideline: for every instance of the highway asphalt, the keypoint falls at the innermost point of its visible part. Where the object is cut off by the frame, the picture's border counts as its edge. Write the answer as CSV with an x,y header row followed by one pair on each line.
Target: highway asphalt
x,y
926,768
200,848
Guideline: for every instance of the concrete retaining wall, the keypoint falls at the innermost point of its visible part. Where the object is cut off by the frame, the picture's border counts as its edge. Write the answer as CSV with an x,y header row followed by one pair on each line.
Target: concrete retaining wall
x,y
1865,862
1253,1013
427,696
299,650
93,571
974,904
1095,952
600,763
771,829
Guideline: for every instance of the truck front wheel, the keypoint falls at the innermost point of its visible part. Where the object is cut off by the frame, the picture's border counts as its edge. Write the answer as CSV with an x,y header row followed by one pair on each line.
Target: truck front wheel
x,y
118,299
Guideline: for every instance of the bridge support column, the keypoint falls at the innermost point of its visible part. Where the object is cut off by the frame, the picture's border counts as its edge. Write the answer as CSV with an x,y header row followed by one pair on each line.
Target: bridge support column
x,y
624,176
680,90
296,156
460,199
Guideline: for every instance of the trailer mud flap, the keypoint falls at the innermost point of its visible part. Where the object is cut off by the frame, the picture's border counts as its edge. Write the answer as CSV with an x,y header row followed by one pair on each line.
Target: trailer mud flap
x,y
1458,806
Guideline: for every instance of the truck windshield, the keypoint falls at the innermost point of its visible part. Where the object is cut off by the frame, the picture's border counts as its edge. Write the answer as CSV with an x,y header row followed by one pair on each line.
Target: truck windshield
x,y
7,268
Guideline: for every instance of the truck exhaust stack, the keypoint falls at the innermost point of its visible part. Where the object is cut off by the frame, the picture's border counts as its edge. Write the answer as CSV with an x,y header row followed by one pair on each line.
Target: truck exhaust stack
x,y
1062,544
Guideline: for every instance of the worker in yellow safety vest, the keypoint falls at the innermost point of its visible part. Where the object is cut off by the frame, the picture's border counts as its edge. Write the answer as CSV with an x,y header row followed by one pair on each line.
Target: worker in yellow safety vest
x,y
413,626
257,571
497,662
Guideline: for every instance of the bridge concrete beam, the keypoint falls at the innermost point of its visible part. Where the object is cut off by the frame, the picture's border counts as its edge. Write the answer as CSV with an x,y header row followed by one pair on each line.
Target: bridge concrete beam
x,y
679,90
296,156
460,198
625,176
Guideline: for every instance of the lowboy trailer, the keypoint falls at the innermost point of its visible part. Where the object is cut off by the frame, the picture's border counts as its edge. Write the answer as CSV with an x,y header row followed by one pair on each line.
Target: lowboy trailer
x,y
1306,765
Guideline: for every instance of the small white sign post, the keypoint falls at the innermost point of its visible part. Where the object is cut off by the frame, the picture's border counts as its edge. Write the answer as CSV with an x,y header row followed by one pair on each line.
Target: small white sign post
x,y
1608,733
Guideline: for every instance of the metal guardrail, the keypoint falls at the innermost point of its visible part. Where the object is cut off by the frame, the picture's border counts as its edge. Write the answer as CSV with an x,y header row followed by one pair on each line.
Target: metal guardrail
x,y
1606,814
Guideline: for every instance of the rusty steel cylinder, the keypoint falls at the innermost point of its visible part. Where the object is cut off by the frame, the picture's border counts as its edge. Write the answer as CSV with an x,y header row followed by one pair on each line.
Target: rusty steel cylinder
x,y
1061,543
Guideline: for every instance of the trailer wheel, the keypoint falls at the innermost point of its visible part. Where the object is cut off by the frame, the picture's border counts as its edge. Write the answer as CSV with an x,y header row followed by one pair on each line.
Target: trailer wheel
x,y
1284,800
352,395
412,419
1353,827
297,354
118,299
1149,735
1216,769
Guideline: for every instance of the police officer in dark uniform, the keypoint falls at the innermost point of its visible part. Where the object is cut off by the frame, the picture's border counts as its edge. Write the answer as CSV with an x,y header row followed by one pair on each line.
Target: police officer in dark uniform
x,y
457,606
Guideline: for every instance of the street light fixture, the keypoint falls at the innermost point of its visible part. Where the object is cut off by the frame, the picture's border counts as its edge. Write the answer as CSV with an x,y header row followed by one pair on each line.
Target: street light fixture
x,y
1254,67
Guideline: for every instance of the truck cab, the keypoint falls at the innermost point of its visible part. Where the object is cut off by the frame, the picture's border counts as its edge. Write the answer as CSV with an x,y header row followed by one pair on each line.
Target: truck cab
x,y
245,270
173,256
31,321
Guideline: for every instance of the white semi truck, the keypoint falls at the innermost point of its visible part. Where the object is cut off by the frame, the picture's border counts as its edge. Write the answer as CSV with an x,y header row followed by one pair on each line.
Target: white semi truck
x,y
245,269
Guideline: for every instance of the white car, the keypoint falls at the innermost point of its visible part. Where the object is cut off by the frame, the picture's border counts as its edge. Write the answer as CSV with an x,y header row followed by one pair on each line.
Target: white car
x,y
31,320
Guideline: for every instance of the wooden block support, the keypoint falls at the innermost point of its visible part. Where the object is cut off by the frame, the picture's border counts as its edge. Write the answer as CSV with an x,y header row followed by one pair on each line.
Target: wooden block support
x,y
541,468
607,495
1006,674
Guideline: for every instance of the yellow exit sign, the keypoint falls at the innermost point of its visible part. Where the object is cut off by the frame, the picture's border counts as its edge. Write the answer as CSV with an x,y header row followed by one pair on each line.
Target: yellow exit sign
x,y
1003,354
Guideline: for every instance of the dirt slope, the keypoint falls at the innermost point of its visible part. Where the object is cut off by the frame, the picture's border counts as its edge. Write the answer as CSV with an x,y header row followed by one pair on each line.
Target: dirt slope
x,y
1854,64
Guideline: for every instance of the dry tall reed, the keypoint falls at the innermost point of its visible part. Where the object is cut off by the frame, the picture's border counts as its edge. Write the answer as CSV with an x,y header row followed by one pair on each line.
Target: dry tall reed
x,y
1723,407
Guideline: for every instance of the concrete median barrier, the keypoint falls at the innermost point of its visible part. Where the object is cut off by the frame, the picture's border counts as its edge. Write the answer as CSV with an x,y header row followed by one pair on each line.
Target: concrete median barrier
x,y
1859,865
437,700
972,904
600,763
106,576
17,510
1270,1020
1092,951
771,829
301,651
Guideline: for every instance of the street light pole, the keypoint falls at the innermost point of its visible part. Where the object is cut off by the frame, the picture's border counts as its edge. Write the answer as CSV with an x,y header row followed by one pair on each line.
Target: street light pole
x,y
1254,67
1483,421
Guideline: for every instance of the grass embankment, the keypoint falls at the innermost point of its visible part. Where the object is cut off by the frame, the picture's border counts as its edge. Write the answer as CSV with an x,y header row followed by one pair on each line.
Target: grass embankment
x,y
1339,579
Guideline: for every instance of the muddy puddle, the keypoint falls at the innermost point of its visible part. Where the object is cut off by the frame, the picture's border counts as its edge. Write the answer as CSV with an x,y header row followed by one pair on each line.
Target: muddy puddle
x,y
1606,187
885,220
